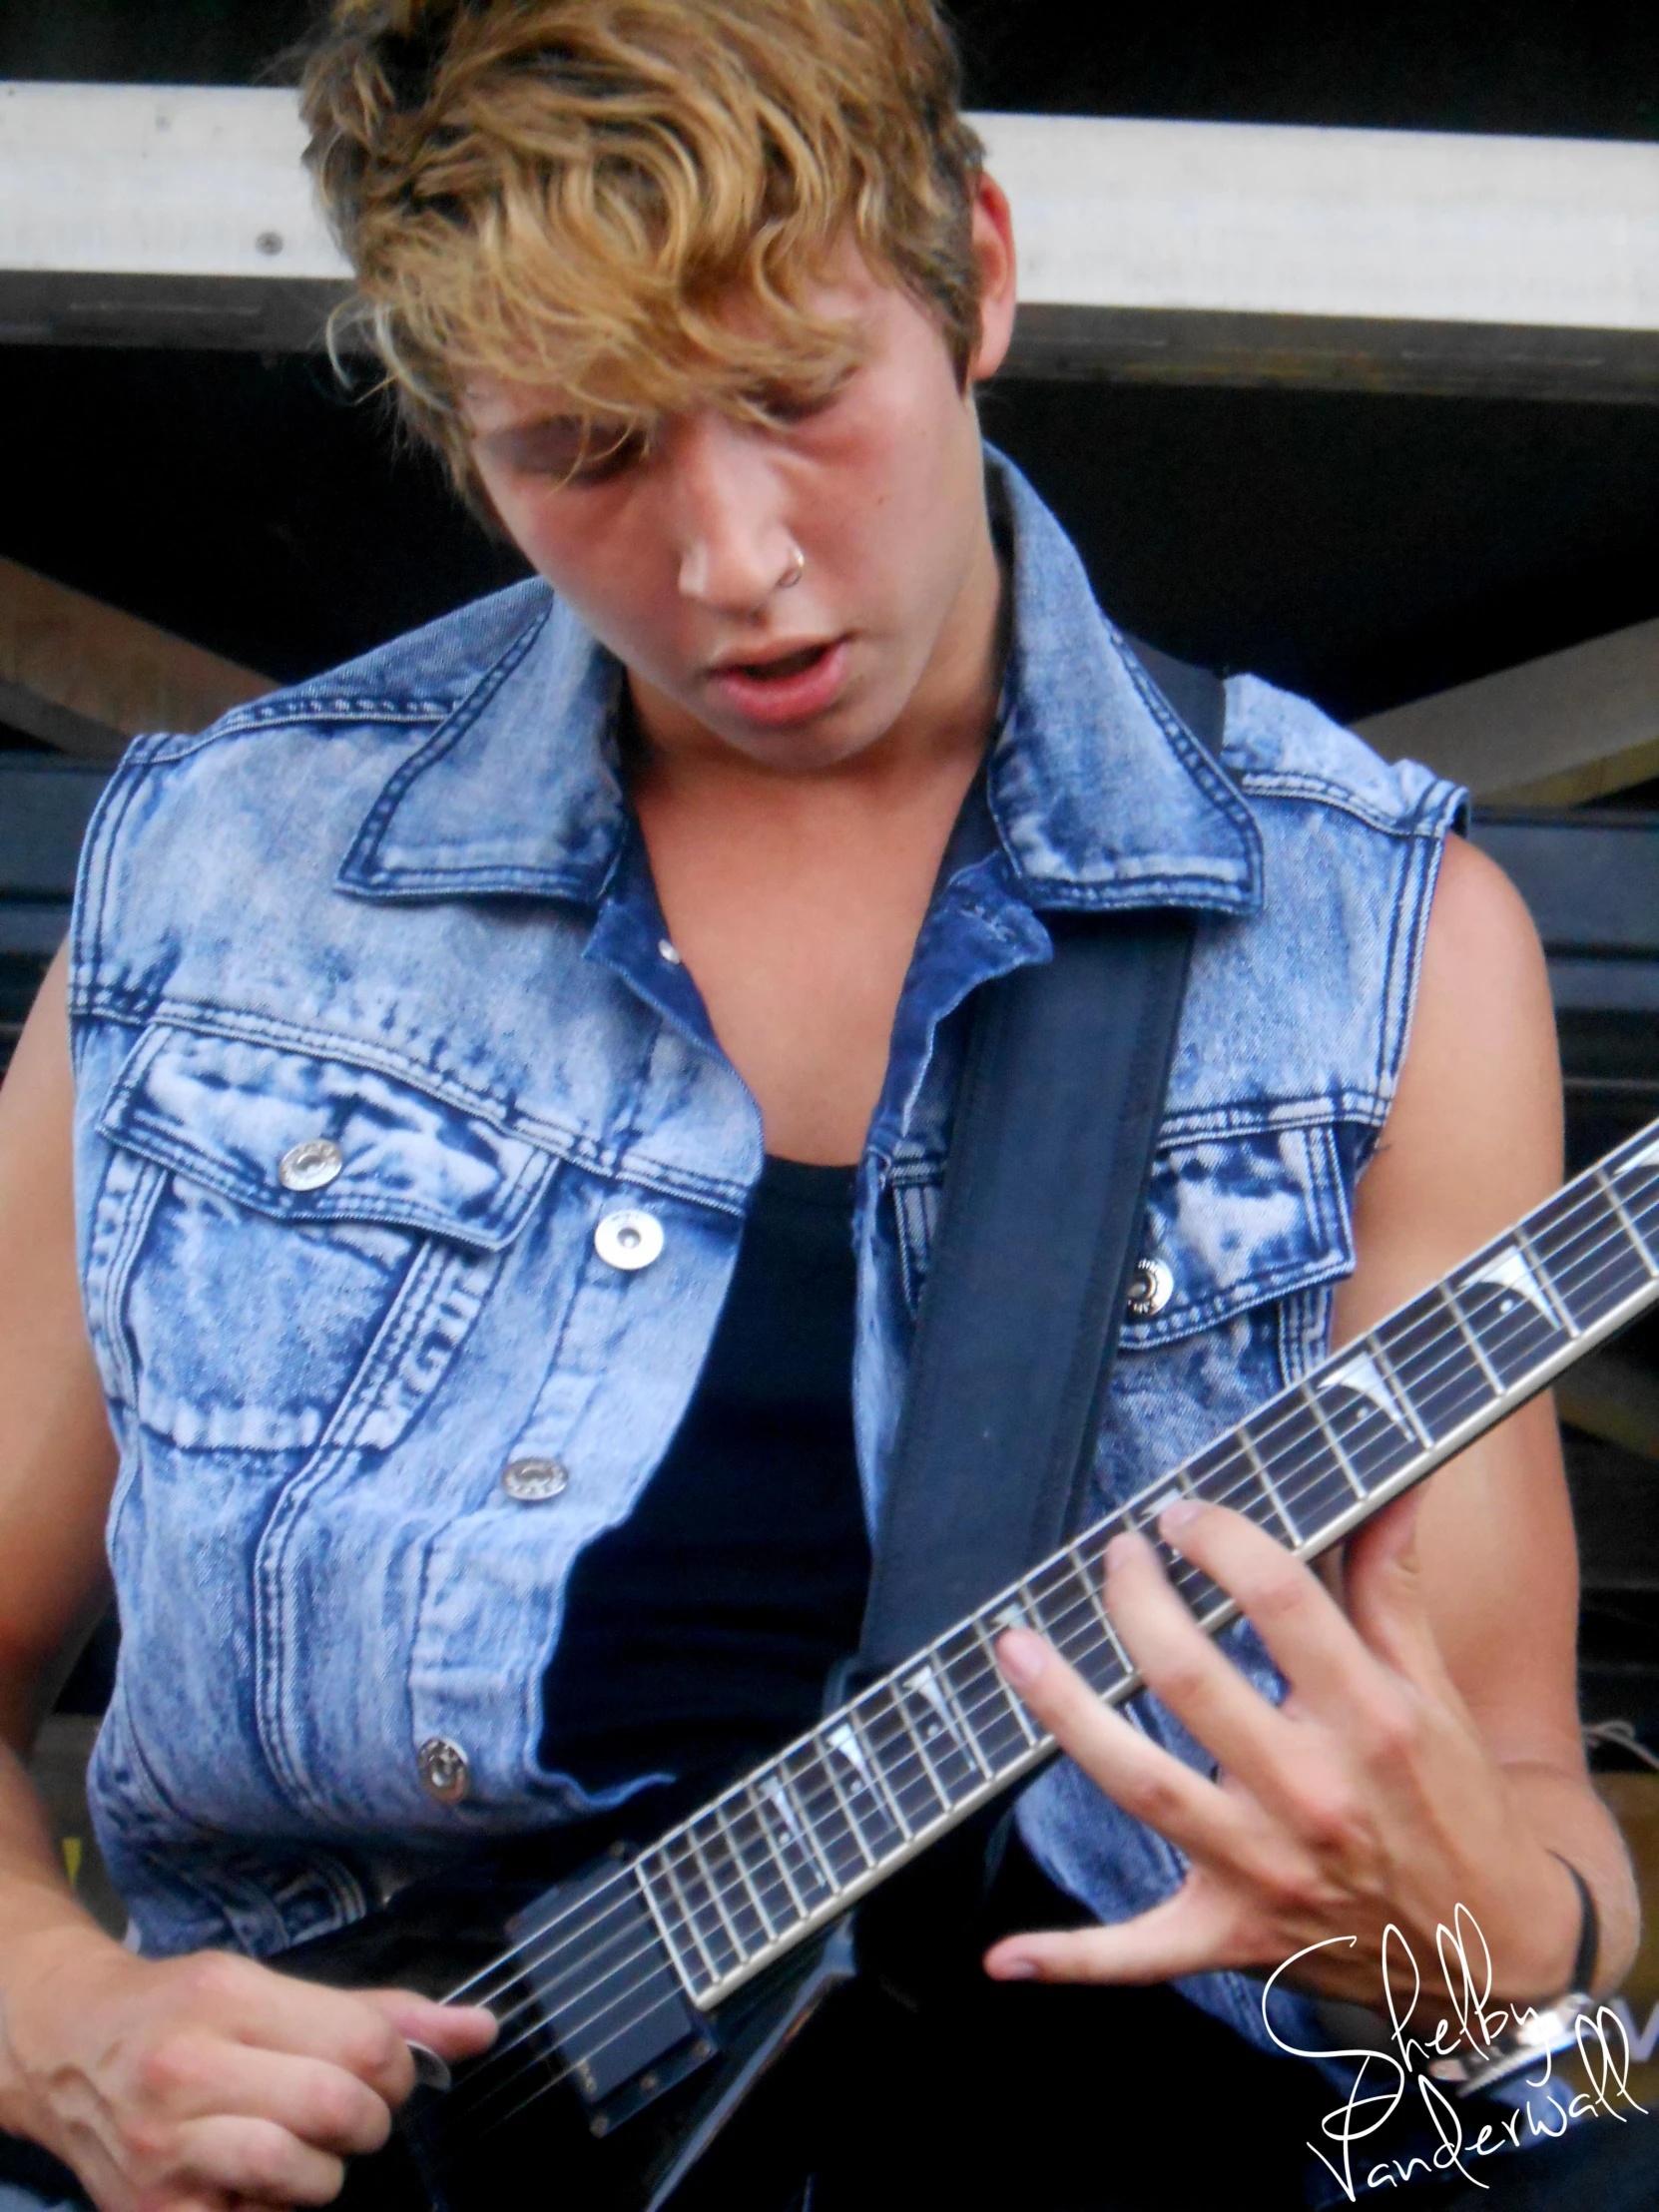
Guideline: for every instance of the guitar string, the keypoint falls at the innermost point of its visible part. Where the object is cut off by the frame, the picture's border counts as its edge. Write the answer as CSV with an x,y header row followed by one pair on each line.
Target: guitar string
x,y
1560,1260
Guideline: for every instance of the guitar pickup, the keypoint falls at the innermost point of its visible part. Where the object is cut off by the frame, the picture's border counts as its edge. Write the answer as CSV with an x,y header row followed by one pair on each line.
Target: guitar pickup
x,y
607,1993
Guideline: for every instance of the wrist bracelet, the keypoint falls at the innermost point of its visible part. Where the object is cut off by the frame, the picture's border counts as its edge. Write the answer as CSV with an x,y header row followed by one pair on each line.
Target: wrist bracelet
x,y
1543,2027
1590,1930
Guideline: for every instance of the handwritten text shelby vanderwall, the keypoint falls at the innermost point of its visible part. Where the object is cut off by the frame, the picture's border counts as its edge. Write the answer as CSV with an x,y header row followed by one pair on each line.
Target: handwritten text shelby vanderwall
x,y
1385,2077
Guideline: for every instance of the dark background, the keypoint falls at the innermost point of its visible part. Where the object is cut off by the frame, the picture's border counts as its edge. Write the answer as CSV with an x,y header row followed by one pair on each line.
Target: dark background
x,y
1364,549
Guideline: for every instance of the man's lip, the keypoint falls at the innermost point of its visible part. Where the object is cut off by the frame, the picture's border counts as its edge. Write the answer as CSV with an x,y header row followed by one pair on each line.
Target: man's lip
x,y
776,701
787,650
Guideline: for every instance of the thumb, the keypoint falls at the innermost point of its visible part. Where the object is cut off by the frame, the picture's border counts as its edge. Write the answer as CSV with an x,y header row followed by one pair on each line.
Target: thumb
x,y
1384,1590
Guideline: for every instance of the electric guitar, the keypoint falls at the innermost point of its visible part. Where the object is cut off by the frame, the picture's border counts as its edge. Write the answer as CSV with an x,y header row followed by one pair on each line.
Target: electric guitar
x,y
642,1997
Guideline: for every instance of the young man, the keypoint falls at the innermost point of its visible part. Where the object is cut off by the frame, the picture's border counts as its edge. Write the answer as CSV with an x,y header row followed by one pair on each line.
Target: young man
x,y
465,1189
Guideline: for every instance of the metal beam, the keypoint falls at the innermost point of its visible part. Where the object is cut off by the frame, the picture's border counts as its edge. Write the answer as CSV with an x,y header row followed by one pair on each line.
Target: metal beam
x,y
1556,731
1166,252
84,677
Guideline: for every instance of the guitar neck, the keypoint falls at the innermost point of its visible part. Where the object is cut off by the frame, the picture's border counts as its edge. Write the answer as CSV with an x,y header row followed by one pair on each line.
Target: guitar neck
x,y
800,1839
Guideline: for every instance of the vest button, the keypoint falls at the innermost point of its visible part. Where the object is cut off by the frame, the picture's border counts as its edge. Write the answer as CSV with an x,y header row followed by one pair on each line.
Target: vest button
x,y
1151,1287
532,1480
443,1770
629,1240
310,1166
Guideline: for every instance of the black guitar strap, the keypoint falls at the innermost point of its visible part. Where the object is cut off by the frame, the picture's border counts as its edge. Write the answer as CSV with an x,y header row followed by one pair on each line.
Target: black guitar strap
x,y
1041,1218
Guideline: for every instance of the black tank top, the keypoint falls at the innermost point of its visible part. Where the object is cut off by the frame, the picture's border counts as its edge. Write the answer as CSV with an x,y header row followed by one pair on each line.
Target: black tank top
x,y
698,1636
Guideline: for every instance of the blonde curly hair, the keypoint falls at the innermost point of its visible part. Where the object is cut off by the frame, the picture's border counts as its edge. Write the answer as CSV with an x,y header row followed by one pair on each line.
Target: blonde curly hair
x,y
579,191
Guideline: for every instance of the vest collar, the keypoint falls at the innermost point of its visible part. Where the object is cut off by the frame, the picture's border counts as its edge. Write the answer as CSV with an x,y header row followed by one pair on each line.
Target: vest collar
x,y
1100,794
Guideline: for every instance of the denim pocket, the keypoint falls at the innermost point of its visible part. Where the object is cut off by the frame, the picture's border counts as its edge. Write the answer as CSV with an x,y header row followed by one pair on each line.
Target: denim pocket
x,y
327,1207
1238,1221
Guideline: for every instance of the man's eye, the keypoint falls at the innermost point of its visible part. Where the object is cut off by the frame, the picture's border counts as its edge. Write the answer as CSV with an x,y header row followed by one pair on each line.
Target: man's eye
x,y
572,452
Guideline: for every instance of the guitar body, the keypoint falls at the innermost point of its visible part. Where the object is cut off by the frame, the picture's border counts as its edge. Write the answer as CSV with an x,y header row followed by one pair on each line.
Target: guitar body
x,y
515,2127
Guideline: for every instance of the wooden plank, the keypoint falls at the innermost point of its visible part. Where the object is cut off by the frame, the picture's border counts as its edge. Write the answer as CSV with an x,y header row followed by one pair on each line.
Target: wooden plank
x,y
1185,253
1560,730
85,677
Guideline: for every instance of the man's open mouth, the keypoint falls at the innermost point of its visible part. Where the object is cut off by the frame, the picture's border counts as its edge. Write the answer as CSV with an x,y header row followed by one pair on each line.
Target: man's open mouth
x,y
780,670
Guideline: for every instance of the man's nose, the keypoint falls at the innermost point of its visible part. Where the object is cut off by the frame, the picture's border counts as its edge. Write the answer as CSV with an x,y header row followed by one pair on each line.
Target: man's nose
x,y
727,510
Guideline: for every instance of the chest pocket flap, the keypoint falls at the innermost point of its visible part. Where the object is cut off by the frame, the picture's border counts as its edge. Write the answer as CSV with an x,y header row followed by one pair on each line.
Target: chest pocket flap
x,y
305,1139
1238,1220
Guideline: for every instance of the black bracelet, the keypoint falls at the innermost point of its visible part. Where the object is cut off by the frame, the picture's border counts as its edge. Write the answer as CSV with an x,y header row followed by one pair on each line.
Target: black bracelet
x,y
1589,1933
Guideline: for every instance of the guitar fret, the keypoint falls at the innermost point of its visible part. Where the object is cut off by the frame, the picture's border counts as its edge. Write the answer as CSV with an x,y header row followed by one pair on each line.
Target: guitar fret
x,y
1259,1467
1546,1282
977,1682
952,1696
854,1825
1309,1398
717,1894
928,1694
1008,1698
1478,1349
663,1914
839,1804
1097,1605
878,1764
935,1783
687,1916
1596,1264
820,1854
769,1926
1391,1375
1611,1191
780,1858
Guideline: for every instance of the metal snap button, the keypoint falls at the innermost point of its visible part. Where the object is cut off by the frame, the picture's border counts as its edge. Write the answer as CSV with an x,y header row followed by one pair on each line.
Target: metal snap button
x,y
1151,1287
628,1240
443,1770
532,1480
666,952
310,1166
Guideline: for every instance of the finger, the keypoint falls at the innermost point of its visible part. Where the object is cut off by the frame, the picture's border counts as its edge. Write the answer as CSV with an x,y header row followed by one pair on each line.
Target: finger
x,y
1199,1683
1308,1636
277,2011
200,2076
1183,1935
452,2031
256,2160
1135,1773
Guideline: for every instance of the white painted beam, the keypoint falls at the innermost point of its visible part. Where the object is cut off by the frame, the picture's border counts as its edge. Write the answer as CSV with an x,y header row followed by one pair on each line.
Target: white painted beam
x,y
1184,250
1560,731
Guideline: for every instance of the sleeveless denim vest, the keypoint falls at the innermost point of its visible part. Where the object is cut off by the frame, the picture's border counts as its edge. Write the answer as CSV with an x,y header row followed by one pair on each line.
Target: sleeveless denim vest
x,y
377,1029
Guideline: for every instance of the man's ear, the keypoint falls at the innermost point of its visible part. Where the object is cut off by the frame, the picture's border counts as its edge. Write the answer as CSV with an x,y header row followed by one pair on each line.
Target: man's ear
x,y
993,248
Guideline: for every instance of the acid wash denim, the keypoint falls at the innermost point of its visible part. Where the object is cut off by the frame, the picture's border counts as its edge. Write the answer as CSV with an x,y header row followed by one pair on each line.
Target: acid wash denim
x,y
403,910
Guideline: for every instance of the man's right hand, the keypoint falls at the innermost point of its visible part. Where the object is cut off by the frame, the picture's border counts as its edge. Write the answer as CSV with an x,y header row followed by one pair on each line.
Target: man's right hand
x,y
206,2083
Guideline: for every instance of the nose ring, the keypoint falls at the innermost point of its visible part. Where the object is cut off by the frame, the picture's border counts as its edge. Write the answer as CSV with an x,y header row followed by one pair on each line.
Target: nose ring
x,y
794,573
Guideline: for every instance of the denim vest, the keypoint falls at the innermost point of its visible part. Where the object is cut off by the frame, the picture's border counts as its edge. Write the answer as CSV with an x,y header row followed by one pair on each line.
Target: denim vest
x,y
376,1027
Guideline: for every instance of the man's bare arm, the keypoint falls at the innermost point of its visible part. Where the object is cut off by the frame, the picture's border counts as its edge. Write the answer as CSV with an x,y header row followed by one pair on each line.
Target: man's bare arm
x,y
185,2083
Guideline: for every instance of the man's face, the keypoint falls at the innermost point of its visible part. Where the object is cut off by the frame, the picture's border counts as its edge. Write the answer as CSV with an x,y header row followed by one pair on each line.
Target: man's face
x,y
677,557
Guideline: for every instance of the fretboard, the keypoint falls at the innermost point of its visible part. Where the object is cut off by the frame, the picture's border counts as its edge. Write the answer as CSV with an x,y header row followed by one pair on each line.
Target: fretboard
x,y
803,1837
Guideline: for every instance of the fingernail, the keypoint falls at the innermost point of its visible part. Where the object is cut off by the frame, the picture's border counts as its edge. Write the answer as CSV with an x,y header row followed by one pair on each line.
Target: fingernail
x,y
1120,1551
1180,1514
1013,1970
1021,1656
